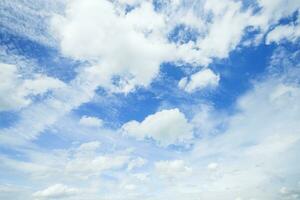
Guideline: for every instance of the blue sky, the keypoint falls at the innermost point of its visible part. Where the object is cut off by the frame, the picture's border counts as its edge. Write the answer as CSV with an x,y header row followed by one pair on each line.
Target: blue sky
x,y
141,99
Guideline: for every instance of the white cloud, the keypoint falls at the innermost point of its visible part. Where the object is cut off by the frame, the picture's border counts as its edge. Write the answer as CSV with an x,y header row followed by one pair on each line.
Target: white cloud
x,y
146,46
166,127
124,45
86,166
206,119
90,121
172,169
16,91
89,146
56,191
81,163
213,166
288,32
273,10
260,143
200,80
85,32
136,163
227,27
87,161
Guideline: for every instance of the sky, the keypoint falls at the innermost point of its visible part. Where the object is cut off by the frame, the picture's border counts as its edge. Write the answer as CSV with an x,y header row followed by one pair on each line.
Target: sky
x,y
149,99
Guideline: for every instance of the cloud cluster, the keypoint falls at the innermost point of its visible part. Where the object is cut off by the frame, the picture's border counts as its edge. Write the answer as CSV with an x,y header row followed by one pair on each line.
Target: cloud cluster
x,y
122,44
90,121
200,80
18,91
290,32
172,169
166,127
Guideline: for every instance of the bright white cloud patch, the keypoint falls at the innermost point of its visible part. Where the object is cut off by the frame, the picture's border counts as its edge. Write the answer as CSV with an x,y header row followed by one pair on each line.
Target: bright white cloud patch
x,y
203,79
16,92
118,42
288,32
134,56
90,121
57,191
166,127
172,169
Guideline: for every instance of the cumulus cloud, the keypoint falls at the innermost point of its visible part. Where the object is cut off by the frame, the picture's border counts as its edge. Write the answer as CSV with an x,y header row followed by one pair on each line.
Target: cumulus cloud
x,y
92,31
16,91
90,121
57,191
166,127
145,31
147,44
200,80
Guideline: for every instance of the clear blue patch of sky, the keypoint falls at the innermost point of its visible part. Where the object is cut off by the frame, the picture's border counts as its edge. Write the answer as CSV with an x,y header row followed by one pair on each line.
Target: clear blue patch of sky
x,y
52,140
7,119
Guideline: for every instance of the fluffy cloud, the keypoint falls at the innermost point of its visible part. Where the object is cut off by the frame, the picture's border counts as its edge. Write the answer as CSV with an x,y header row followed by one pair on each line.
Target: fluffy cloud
x,y
18,91
259,144
172,169
200,80
90,30
227,28
124,45
90,121
166,127
272,11
56,191
147,45
289,32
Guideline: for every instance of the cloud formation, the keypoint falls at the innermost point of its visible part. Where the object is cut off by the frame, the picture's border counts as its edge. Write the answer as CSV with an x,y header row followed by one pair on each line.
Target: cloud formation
x,y
18,91
90,121
200,80
56,191
166,127
135,116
